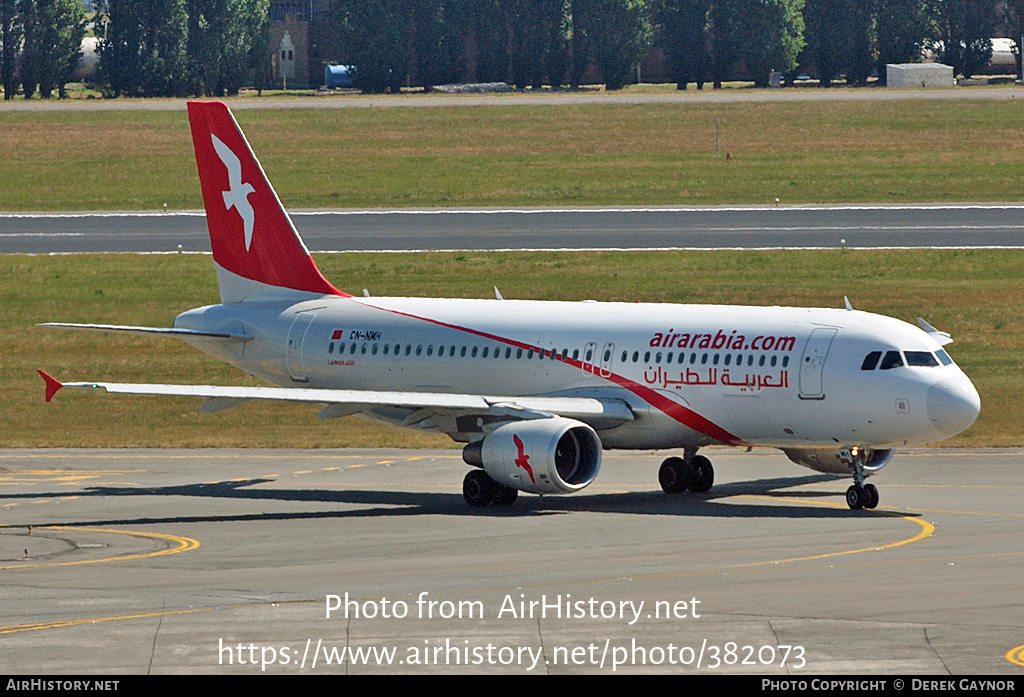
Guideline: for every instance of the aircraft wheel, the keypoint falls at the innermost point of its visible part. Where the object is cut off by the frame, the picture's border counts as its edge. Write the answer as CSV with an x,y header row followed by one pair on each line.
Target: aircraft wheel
x,y
856,497
478,488
870,496
703,474
672,475
505,495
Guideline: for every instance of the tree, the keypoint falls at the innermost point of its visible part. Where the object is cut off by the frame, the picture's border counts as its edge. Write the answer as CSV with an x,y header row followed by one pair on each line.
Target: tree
x,y
142,48
829,33
862,46
901,30
438,41
219,49
683,36
377,35
119,26
539,41
725,27
53,32
10,46
963,33
770,36
1015,20
617,32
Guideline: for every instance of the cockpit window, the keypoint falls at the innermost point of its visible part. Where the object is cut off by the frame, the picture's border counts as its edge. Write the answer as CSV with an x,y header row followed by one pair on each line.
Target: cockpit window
x,y
892,360
871,360
923,359
944,358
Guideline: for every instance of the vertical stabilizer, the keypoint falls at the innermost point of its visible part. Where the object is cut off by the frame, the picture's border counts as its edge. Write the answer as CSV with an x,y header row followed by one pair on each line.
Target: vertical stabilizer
x,y
258,253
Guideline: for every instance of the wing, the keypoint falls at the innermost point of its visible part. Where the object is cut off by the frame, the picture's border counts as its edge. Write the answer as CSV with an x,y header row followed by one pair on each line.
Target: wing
x,y
446,412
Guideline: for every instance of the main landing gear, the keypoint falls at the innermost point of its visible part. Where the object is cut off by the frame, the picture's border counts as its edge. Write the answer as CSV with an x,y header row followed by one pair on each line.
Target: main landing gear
x,y
691,472
479,490
860,495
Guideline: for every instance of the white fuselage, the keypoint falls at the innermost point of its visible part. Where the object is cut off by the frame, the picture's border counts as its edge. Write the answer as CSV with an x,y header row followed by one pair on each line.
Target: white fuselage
x,y
692,375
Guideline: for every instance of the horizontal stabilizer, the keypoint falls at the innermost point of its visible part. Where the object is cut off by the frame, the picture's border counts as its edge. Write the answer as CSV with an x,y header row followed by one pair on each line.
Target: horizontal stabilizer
x,y
942,338
151,331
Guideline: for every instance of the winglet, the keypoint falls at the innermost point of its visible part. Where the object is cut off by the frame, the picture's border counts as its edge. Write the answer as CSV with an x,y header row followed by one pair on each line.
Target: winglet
x,y
52,384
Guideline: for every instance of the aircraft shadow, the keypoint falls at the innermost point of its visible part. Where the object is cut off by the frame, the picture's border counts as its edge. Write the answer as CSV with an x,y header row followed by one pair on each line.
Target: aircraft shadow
x,y
380,503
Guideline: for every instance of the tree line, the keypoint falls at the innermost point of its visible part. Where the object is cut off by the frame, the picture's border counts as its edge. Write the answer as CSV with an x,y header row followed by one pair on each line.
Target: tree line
x,y
147,48
214,47
393,43
39,44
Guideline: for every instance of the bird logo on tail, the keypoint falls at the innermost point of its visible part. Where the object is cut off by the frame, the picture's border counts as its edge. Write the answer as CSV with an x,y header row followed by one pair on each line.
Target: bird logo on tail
x,y
237,196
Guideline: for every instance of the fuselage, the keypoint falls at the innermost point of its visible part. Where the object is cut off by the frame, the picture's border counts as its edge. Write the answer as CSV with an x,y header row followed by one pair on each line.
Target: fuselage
x,y
693,375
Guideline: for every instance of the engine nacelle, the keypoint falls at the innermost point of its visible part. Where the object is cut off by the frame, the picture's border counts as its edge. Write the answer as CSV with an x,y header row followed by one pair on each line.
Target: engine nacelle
x,y
835,461
540,456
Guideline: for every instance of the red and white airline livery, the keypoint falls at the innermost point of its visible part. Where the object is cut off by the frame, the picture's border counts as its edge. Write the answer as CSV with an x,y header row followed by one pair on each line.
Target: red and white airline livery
x,y
538,389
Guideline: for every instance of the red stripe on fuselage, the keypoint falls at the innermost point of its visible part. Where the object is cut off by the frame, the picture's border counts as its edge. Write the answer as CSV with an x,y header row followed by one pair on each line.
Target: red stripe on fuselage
x,y
675,410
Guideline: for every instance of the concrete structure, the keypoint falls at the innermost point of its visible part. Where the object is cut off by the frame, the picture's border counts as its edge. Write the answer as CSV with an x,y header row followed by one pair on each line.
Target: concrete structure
x,y
919,75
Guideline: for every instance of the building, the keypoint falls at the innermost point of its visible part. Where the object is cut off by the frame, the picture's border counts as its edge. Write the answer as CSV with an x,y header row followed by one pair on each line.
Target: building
x,y
305,38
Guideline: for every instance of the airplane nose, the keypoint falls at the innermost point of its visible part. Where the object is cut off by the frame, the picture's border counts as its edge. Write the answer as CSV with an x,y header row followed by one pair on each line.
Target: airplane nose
x,y
953,405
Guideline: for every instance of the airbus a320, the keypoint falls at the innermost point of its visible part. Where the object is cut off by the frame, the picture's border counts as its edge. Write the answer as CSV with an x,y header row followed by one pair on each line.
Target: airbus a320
x,y
537,390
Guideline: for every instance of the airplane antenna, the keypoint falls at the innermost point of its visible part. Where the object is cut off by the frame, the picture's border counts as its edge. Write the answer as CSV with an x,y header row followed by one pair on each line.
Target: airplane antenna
x,y
366,293
497,294
847,301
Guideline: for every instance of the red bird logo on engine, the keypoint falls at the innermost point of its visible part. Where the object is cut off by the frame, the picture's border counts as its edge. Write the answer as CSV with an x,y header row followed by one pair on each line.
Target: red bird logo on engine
x,y
523,460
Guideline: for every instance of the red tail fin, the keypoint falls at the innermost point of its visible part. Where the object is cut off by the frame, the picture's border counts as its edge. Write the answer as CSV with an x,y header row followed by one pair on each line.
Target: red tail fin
x,y
252,236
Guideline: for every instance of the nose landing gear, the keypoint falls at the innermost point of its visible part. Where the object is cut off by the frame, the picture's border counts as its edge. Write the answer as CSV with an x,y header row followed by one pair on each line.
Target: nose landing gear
x,y
859,495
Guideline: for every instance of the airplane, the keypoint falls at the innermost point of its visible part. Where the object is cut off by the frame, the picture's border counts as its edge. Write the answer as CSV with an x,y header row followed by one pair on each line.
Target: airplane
x,y
538,389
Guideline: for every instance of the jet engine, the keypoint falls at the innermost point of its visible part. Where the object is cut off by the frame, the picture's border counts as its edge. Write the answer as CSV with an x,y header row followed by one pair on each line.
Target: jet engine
x,y
837,461
540,456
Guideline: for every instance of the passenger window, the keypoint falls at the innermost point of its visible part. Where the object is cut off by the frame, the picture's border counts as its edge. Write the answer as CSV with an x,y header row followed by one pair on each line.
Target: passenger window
x,y
892,360
922,359
944,358
871,360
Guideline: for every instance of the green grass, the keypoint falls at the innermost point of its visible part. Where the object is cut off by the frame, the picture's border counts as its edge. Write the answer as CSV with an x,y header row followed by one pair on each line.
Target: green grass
x,y
960,150
974,294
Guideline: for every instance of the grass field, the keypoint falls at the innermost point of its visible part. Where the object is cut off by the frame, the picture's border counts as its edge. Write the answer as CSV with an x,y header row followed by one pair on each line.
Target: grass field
x,y
959,150
975,295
